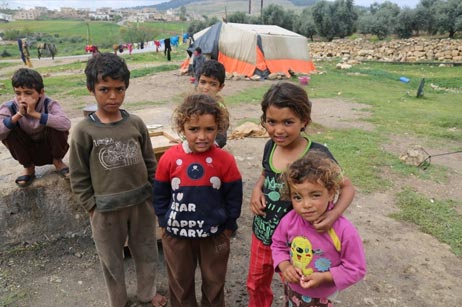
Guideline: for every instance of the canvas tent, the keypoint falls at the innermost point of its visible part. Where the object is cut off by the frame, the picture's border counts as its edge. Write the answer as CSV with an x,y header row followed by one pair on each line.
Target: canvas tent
x,y
249,49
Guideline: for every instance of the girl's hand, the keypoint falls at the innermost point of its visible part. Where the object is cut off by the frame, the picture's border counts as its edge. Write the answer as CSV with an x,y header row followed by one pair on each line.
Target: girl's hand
x,y
315,279
325,221
258,202
289,272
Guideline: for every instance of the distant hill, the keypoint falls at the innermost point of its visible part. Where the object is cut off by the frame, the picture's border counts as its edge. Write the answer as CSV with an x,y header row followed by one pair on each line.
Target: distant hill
x,y
218,7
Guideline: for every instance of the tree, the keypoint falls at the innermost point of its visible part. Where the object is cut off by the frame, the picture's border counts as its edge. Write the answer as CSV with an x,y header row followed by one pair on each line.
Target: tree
x,y
449,17
304,24
384,19
276,15
238,17
344,18
405,23
425,16
322,17
183,13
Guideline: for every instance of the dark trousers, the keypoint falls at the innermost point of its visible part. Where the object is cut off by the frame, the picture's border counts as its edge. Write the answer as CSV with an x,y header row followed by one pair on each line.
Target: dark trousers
x,y
182,256
52,145
110,231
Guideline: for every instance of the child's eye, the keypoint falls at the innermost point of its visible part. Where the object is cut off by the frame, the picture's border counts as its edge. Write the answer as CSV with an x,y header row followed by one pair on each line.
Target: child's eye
x,y
288,122
121,89
103,90
296,197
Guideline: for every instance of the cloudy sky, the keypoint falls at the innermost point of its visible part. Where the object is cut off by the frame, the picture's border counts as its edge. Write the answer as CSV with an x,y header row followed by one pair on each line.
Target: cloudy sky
x,y
92,4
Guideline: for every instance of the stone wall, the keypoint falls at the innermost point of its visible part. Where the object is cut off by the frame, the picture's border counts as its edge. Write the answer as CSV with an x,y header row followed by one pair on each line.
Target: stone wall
x,y
406,50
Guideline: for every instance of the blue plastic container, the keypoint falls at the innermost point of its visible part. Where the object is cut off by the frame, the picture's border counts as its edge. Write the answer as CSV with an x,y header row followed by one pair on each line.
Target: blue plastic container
x,y
404,79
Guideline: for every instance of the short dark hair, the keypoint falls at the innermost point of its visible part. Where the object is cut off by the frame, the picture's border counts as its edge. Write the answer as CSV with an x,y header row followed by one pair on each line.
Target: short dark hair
x,y
103,65
214,69
198,49
29,78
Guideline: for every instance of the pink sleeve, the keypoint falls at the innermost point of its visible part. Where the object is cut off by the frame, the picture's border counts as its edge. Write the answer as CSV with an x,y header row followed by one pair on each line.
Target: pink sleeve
x,y
279,249
353,265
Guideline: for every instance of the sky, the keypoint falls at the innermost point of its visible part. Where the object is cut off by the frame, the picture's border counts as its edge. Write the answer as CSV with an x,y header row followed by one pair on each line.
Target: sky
x,y
93,4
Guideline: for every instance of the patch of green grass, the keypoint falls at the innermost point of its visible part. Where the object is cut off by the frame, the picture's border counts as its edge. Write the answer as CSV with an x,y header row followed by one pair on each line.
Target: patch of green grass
x,y
249,96
12,299
78,65
359,154
437,218
73,85
141,72
396,109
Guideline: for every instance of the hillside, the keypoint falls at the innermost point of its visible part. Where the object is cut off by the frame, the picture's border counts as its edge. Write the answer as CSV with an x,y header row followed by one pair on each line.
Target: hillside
x,y
218,7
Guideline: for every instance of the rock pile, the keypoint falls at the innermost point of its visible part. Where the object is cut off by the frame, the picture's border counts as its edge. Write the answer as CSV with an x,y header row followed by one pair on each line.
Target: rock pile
x,y
404,50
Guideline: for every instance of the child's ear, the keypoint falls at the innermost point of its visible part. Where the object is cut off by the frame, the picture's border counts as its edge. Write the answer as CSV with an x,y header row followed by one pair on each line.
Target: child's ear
x,y
221,87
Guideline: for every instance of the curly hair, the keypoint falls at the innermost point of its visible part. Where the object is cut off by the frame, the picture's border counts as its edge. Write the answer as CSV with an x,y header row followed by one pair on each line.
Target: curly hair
x,y
196,105
104,65
287,95
314,167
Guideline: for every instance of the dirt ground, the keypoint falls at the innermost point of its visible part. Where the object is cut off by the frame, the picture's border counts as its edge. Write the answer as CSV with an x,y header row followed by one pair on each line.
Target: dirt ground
x,y
405,266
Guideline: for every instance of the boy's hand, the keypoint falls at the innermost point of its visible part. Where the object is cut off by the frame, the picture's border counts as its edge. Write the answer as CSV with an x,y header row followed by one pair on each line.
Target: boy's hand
x,y
23,108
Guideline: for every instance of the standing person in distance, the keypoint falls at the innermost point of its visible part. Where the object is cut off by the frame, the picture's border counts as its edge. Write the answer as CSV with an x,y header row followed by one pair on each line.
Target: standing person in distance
x,y
211,81
198,61
112,169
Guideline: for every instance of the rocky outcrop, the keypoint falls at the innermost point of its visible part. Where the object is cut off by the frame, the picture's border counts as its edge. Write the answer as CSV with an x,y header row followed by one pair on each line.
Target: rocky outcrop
x,y
405,50
44,211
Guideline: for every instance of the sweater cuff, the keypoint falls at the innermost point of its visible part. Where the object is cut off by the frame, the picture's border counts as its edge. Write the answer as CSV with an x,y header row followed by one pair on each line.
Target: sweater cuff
x,y
43,119
161,221
7,122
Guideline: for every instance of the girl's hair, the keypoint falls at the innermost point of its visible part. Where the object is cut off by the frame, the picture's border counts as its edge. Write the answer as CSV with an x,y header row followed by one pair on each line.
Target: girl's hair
x,y
104,65
27,78
287,95
196,105
314,167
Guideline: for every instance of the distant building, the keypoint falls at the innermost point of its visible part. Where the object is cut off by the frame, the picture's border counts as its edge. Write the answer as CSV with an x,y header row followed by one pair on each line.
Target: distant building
x,y
31,14
6,17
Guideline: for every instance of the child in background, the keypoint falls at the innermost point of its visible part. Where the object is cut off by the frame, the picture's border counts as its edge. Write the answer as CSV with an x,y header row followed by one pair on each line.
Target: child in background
x,y
34,127
198,61
315,265
211,81
286,112
112,168
197,198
